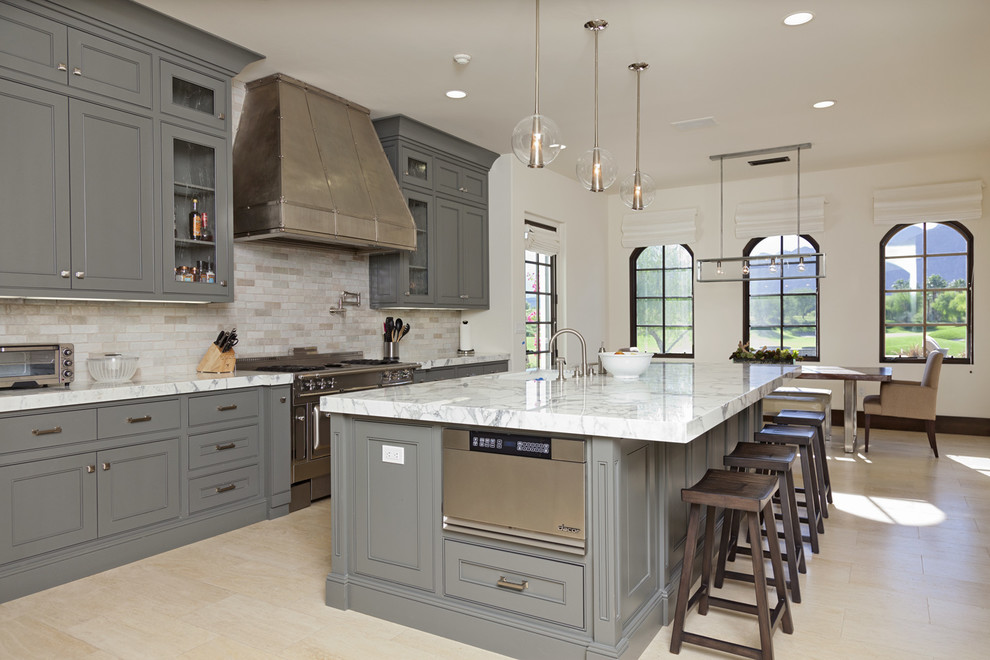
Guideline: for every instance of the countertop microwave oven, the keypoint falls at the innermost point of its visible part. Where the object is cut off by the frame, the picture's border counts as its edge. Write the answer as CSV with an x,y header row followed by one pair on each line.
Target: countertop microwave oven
x,y
36,365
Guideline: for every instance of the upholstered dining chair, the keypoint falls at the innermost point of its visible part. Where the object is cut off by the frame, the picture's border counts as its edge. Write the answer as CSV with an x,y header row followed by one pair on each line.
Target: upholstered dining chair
x,y
909,399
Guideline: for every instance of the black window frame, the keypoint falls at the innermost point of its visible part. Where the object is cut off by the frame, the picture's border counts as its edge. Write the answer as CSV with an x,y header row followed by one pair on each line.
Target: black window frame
x,y
553,294
747,250
633,297
968,236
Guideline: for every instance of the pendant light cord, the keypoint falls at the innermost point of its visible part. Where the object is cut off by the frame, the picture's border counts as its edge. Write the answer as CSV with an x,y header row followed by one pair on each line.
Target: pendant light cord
x,y
596,89
638,73
799,198
537,95
721,205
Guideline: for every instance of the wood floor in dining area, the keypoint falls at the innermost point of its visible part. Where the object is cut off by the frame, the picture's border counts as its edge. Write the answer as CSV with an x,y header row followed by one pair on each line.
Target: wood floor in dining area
x,y
904,572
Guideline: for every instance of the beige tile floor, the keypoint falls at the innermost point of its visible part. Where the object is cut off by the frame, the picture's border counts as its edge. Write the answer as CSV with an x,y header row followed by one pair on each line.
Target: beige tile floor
x,y
904,573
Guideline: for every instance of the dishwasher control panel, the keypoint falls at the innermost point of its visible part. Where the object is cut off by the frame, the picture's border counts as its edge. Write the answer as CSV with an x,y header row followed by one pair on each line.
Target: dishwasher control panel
x,y
513,445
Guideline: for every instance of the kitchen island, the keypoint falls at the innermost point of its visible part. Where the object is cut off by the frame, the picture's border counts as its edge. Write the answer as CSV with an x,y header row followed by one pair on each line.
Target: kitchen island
x,y
398,553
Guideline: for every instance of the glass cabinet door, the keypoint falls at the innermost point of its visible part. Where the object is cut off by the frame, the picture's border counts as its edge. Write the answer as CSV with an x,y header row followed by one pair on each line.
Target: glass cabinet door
x,y
417,271
415,167
193,96
195,222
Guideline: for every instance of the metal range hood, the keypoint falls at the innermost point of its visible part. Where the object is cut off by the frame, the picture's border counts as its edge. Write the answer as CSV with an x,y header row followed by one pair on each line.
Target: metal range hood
x,y
308,167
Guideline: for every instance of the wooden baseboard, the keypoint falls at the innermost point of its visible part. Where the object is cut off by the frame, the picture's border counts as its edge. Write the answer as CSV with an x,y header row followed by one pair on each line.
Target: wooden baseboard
x,y
943,423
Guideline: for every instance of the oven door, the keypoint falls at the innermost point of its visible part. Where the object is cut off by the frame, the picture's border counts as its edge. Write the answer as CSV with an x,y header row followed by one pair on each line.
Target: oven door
x,y
310,442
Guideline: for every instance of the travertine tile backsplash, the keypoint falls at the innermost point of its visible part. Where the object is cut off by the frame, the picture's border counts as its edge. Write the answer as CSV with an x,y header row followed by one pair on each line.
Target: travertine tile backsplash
x,y
282,296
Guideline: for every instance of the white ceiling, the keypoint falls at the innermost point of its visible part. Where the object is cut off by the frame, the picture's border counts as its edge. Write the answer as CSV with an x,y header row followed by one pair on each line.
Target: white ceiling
x,y
909,76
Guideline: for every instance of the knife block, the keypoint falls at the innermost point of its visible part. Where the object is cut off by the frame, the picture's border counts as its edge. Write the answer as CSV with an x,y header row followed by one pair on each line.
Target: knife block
x,y
215,362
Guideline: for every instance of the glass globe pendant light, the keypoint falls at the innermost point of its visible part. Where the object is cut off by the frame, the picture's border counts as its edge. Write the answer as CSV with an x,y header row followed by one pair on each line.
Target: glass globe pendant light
x,y
638,189
536,140
596,167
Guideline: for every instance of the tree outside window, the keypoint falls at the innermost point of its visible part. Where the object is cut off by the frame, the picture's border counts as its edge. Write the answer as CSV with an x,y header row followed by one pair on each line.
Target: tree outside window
x,y
926,299
782,313
662,305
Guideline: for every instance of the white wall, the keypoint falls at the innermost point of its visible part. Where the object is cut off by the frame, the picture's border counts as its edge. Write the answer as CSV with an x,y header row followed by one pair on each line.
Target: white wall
x,y
517,192
849,306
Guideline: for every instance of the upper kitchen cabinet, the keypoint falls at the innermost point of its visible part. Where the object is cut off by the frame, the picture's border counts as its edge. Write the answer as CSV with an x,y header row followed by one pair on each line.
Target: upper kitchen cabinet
x,y
114,120
445,183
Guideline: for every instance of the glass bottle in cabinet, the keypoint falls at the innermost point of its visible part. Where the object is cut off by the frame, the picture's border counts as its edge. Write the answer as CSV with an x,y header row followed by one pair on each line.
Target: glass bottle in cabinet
x,y
196,257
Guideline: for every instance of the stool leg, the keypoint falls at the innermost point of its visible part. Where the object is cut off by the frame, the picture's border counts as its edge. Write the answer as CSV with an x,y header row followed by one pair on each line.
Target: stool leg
x,y
690,545
760,584
824,460
706,560
809,500
787,625
819,478
795,520
728,519
789,538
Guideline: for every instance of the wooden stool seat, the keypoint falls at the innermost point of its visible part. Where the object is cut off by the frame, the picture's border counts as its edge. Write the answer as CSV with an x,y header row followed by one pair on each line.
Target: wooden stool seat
x,y
749,494
804,438
779,461
817,421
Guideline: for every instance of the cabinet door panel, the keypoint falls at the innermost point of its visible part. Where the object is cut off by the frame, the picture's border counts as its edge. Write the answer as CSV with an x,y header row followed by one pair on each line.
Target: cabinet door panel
x,y
46,505
108,68
32,44
139,485
473,253
112,169
34,181
448,220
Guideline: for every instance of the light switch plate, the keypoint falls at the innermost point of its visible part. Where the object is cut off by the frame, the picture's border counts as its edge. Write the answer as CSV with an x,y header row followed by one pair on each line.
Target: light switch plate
x,y
392,454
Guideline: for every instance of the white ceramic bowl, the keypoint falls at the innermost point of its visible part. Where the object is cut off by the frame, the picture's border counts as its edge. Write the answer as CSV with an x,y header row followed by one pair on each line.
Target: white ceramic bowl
x,y
626,364
112,367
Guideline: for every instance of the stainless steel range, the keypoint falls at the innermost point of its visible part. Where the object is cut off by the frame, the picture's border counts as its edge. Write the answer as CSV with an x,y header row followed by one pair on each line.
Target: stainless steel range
x,y
316,375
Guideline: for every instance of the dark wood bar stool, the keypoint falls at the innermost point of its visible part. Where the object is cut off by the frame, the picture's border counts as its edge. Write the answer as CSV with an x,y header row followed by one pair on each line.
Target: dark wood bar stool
x,y
802,437
817,421
777,460
749,494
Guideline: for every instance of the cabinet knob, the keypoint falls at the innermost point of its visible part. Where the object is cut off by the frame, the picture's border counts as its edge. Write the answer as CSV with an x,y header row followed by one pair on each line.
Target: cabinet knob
x,y
65,274
464,295
463,189
106,466
90,469
407,293
80,274
223,283
76,71
62,67
281,399
222,116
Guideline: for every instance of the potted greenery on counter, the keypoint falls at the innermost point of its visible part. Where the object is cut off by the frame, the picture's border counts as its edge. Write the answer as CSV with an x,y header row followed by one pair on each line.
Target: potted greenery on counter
x,y
746,353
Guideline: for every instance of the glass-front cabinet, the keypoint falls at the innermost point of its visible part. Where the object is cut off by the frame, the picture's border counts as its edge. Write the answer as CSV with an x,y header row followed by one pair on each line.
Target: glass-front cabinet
x,y
193,96
195,224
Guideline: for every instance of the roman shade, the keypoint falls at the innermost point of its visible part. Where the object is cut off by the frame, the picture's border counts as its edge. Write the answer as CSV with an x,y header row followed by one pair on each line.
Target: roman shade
x,y
778,218
940,202
541,239
671,227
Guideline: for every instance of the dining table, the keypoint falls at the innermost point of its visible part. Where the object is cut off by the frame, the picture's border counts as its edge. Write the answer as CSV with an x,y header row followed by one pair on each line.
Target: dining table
x,y
849,376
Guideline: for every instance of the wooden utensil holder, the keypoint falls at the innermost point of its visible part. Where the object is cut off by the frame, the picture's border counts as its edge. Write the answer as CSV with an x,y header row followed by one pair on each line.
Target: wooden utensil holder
x,y
215,362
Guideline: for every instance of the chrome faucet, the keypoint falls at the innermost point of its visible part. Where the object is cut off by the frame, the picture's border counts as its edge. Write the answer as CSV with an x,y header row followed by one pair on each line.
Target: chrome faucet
x,y
583,371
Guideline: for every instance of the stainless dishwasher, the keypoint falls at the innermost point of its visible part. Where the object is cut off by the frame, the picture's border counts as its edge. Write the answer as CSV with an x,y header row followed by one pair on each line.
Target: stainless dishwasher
x,y
521,488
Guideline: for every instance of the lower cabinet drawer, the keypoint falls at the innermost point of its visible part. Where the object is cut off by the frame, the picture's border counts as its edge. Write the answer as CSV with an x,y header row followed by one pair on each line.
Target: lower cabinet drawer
x,y
223,488
524,584
140,417
223,406
47,430
219,447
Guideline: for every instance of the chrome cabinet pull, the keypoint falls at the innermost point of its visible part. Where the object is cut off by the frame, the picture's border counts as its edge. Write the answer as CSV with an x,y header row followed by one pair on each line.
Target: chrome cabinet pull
x,y
90,469
65,274
135,420
106,466
57,429
222,116
229,445
281,399
223,283
76,71
232,406
61,66
224,489
464,295
514,586
316,428
80,274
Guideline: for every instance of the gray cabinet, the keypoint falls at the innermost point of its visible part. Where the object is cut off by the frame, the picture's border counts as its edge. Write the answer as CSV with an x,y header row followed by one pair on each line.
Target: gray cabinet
x,y
60,502
83,101
445,182
397,518
278,431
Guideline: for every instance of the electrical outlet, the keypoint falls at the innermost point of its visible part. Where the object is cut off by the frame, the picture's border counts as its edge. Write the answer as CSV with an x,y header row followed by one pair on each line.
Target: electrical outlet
x,y
392,454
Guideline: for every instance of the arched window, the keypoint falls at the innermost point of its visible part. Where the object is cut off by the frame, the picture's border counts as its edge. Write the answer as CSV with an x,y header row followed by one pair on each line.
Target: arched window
x,y
782,313
661,283
926,300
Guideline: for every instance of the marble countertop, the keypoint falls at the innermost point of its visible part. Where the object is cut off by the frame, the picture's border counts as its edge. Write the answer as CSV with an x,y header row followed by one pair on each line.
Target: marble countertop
x,y
181,382
671,402
452,361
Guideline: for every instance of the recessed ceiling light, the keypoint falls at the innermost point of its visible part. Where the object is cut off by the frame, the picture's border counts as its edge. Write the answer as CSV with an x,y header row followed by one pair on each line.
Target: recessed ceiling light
x,y
798,18
462,58
823,104
456,94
